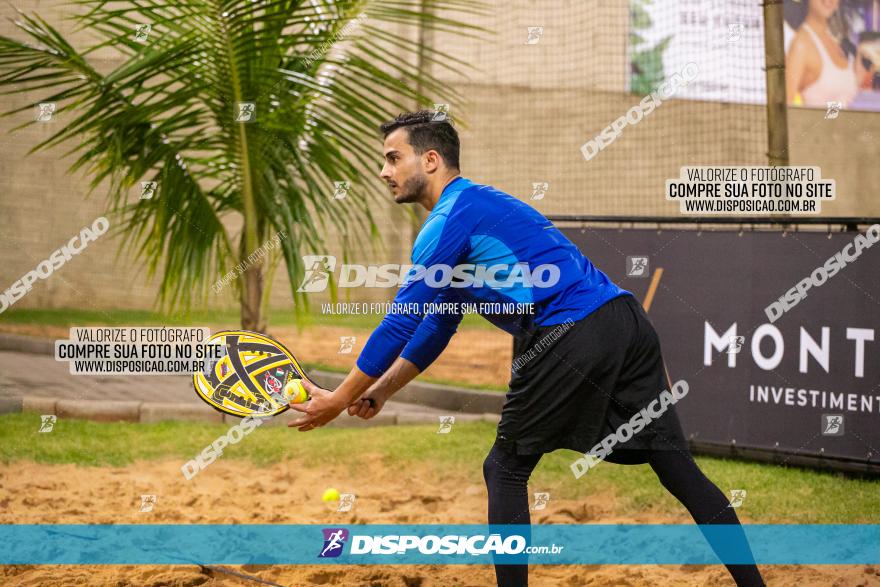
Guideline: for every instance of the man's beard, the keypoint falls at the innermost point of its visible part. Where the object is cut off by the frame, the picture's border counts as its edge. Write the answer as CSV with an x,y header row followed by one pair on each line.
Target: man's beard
x,y
412,190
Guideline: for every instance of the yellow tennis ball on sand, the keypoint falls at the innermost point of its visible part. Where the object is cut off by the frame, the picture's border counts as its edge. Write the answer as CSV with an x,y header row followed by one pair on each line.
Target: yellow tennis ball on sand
x,y
330,495
294,391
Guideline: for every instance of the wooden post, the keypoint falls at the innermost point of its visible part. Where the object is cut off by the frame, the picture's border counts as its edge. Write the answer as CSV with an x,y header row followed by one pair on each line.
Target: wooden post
x,y
774,65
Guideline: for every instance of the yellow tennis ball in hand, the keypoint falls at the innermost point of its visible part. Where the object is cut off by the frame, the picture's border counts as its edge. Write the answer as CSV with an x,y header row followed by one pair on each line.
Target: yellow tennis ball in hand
x,y
294,391
330,495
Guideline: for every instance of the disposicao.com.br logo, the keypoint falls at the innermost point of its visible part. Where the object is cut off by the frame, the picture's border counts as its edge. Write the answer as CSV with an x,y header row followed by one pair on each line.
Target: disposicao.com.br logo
x,y
320,269
452,544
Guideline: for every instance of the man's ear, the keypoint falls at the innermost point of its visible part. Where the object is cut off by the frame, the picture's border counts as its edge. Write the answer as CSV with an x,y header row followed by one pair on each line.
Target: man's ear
x,y
431,161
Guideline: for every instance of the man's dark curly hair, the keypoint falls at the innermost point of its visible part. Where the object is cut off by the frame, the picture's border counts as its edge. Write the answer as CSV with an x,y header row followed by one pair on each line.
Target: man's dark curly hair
x,y
425,134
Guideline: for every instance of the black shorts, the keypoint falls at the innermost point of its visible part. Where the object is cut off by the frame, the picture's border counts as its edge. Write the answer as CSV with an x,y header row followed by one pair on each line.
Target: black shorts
x,y
575,383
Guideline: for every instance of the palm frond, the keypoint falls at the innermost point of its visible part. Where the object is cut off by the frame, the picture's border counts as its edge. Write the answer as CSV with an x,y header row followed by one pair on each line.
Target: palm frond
x,y
320,77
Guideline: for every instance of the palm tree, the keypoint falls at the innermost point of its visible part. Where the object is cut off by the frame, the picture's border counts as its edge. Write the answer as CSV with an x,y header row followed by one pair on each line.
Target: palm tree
x,y
244,112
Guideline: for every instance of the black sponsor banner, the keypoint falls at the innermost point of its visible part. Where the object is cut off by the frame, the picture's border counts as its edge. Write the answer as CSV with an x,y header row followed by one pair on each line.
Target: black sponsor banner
x,y
805,382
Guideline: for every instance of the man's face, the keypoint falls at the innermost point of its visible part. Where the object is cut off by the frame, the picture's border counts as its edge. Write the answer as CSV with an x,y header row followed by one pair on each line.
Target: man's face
x,y
403,170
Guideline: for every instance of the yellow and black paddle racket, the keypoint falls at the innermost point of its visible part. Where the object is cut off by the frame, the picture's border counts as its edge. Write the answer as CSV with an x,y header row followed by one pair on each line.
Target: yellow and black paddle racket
x,y
252,375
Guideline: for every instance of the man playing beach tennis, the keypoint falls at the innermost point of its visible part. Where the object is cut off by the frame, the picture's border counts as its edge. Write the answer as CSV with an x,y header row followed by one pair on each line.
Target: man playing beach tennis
x,y
586,358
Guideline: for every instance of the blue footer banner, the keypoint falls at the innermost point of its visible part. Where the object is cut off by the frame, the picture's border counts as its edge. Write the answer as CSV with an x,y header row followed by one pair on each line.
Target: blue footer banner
x,y
438,544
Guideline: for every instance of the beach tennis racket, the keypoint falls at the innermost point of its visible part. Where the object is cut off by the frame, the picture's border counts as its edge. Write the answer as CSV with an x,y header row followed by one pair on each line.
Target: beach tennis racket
x,y
249,374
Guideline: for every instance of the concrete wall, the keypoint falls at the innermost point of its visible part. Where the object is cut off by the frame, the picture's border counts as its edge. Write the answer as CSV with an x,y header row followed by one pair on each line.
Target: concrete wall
x,y
526,111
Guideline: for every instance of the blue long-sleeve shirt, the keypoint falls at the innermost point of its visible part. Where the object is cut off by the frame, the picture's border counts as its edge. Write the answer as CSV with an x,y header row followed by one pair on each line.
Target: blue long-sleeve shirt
x,y
481,226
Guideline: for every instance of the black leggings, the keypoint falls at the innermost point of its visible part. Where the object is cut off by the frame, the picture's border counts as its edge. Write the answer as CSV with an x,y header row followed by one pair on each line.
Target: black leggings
x,y
507,476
